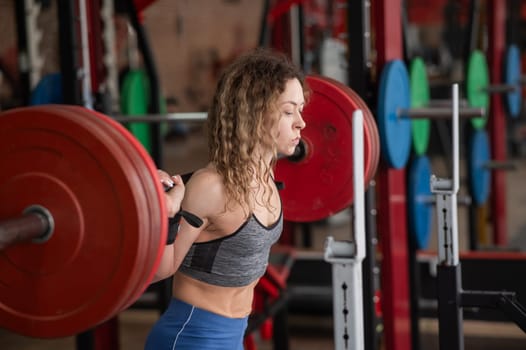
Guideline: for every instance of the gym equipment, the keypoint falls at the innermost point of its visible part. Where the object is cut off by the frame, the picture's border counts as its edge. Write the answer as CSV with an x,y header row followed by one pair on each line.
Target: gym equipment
x,y
323,157
323,161
395,111
419,206
404,97
134,101
420,201
347,257
477,79
481,270
478,86
82,184
48,90
479,174
395,133
513,77
480,166
451,297
419,87
82,217
161,118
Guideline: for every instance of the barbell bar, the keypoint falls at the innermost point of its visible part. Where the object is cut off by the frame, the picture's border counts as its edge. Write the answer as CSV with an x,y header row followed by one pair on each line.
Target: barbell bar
x,y
439,112
34,224
499,165
500,88
446,103
162,118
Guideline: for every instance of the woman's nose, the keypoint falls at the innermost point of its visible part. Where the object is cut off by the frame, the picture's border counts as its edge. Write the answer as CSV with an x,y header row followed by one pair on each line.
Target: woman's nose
x,y
300,124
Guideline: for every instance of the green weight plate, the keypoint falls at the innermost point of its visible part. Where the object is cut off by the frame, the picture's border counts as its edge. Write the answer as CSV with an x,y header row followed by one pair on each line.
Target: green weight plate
x,y
135,98
419,87
134,102
477,80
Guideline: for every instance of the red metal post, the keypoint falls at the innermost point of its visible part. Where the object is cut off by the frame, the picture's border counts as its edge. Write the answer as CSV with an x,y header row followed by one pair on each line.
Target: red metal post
x,y
391,192
497,117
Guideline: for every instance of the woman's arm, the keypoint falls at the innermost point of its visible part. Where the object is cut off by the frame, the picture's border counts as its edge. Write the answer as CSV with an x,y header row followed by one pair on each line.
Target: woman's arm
x,y
203,198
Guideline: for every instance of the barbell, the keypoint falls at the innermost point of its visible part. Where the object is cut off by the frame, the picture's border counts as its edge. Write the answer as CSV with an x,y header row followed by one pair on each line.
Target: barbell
x,y
82,215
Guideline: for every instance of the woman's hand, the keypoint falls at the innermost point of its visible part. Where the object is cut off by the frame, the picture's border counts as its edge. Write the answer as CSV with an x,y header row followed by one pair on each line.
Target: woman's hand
x,y
174,191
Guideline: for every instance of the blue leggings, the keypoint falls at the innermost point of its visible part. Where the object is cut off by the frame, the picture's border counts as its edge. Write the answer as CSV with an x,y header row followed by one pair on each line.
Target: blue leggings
x,y
186,327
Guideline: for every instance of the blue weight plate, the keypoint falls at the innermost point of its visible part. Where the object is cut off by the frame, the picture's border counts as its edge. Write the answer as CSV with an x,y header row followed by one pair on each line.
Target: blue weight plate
x,y
420,207
395,132
48,90
479,176
512,76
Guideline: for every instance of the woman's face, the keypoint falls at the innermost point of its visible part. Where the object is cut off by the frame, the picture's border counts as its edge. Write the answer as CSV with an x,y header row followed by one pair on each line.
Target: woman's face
x,y
290,123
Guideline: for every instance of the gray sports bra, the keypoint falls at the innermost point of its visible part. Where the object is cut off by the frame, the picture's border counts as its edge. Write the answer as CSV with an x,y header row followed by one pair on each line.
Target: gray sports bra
x,y
235,260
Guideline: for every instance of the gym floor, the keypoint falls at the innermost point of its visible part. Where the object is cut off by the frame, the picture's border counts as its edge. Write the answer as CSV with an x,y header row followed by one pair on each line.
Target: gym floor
x,y
184,154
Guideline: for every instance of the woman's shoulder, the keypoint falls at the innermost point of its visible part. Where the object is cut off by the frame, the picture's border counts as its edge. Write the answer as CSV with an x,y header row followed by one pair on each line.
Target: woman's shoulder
x,y
204,189
206,179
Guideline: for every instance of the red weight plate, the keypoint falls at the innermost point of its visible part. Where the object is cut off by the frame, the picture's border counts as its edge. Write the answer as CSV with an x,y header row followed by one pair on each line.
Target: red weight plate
x,y
369,123
153,205
154,237
143,246
84,177
320,184
137,167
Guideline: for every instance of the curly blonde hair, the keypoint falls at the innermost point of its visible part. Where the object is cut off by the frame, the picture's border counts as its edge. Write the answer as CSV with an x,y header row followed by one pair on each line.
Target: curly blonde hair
x,y
242,113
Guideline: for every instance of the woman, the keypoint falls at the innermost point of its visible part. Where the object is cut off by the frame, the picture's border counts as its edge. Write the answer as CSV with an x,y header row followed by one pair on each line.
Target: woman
x,y
255,115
